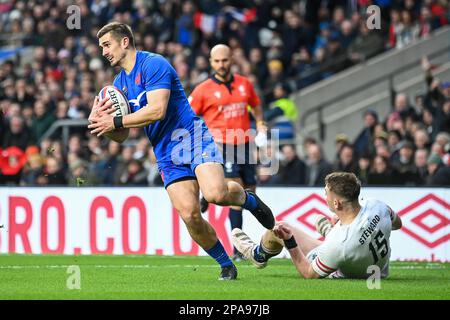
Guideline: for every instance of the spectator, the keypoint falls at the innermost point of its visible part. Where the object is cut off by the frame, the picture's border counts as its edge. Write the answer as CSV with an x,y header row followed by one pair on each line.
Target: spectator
x,y
364,138
438,173
381,173
363,169
421,139
42,120
135,174
17,134
282,113
317,167
292,169
420,161
54,173
366,45
405,172
32,171
346,160
277,42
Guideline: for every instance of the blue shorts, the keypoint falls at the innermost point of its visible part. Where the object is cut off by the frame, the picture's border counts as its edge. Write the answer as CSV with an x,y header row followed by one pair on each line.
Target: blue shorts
x,y
192,151
239,162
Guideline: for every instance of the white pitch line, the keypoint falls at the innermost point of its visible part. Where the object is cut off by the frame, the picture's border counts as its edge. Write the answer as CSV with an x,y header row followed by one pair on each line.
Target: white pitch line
x,y
146,266
111,266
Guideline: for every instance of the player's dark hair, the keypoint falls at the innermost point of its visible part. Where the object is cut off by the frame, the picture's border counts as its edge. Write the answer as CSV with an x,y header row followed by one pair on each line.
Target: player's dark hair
x,y
344,184
118,31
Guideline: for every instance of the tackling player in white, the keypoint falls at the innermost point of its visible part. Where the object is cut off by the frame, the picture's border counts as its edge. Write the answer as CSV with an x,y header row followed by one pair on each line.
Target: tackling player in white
x,y
358,239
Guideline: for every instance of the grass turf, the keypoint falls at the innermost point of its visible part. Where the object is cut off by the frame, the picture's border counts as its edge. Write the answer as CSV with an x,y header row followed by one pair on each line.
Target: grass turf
x,y
158,277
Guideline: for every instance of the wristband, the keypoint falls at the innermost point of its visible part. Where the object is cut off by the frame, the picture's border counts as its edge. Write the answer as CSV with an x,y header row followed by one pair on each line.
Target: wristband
x,y
118,122
290,243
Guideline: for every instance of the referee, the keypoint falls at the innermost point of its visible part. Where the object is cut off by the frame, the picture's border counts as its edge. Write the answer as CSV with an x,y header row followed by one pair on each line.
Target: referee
x,y
223,101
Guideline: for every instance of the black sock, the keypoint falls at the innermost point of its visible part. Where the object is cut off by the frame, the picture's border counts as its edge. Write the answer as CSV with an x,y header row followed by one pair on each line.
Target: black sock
x,y
235,218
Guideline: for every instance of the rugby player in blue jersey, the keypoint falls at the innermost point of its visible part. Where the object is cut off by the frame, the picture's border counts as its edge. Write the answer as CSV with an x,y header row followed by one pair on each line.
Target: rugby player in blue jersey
x,y
188,159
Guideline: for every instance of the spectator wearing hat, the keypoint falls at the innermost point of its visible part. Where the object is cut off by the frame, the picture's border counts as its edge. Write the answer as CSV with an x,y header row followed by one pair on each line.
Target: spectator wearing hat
x,y
340,140
275,70
33,169
438,173
79,174
381,138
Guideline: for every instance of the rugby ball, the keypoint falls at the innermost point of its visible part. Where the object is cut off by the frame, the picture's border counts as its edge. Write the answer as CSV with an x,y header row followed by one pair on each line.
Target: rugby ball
x,y
120,102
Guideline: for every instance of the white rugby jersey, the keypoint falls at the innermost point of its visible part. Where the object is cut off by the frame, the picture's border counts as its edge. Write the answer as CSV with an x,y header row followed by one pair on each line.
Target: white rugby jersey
x,y
348,250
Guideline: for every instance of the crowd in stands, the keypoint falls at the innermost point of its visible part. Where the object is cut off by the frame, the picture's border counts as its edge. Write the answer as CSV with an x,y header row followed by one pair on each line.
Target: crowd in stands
x,y
280,45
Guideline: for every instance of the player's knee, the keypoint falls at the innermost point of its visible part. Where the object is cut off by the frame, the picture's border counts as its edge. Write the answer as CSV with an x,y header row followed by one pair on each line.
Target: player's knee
x,y
216,195
191,217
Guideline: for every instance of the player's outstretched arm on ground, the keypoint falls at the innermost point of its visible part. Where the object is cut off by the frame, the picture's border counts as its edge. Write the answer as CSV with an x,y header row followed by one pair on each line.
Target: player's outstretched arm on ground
x,y
301,263
104,107
155,110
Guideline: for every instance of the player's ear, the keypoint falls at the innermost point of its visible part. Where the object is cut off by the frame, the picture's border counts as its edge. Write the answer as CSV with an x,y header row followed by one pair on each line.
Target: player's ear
x,y
336,204
125,42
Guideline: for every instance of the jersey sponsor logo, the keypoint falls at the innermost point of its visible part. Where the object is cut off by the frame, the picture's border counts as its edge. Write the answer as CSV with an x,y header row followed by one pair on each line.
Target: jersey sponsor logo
x,y
233,110
241,90
137,81
217,94
136,102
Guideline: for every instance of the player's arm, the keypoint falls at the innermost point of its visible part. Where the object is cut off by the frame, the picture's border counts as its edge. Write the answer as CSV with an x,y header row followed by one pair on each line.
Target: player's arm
x,y
301,263
396,220
155,110
104,107
259,118
257,110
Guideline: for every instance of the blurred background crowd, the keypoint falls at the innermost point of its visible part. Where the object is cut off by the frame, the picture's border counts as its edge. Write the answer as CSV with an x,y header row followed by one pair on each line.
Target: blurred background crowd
x,y
282,46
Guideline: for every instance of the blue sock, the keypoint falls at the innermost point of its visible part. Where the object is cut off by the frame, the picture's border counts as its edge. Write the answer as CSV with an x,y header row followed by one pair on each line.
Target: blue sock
x,y
217,252
250,202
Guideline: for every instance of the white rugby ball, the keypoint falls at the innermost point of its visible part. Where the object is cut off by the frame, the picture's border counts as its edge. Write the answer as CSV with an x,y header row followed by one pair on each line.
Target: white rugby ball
x,y
120,102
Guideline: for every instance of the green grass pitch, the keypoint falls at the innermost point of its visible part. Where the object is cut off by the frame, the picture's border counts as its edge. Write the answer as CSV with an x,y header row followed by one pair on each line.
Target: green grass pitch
x,y
159,277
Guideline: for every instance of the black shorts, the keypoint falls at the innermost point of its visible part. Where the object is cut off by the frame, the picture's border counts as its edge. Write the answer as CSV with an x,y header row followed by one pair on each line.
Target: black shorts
x,y
239,162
